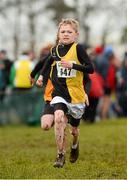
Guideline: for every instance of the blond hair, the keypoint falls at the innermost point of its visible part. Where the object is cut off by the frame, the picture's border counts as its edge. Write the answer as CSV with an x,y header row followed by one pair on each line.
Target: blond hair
x,y
70,21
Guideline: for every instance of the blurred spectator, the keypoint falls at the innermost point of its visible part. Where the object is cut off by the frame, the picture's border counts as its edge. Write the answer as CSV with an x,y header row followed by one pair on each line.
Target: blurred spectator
x,y
5,66
122,87
42,57
107,66
21,87
96,92
20,72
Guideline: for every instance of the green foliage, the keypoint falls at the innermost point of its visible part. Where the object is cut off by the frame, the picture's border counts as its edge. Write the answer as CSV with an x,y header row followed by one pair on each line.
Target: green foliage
x,y
29,152
60,9
124,35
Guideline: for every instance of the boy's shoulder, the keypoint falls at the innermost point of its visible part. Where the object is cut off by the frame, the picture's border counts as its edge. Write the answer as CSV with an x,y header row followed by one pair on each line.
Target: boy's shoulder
x,y
80,46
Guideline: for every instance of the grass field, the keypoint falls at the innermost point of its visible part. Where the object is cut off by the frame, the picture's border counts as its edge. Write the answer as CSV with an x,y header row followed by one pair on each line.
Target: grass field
x,y
29,152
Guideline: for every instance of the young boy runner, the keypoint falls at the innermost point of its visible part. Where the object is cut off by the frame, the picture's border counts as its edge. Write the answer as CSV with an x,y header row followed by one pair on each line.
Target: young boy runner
x,y
68,62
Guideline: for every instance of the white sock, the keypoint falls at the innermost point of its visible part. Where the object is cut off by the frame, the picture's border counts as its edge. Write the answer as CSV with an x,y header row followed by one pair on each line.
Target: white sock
x,y
60,152
74,146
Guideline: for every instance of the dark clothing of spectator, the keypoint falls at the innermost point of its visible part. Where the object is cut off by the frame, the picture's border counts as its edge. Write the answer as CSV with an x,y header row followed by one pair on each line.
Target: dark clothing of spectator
x,y
122,88
96,92
5,66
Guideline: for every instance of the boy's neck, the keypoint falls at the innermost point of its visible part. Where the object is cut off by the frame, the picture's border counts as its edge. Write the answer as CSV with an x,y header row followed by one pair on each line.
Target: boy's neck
x,y
66,44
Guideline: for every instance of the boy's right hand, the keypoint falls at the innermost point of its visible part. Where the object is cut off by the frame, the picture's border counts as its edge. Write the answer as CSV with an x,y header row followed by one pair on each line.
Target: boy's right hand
x,y
39,81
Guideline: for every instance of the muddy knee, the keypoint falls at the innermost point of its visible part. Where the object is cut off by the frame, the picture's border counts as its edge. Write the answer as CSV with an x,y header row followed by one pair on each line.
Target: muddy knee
x,y
46,122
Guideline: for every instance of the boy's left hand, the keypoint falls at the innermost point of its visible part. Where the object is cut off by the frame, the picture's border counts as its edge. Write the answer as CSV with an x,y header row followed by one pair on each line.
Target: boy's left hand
x,y
86,100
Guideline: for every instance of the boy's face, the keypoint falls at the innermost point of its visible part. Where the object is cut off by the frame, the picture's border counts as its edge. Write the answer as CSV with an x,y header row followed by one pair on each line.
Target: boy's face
x,y
67,34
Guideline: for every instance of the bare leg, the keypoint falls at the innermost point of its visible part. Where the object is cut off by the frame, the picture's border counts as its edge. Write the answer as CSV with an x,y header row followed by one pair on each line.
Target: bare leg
x,y
105,107
75,145
65,137
75,135
47,121
60,125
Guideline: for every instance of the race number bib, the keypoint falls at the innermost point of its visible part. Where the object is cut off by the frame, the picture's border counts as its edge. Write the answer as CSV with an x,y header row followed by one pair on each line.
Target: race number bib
x,y
65,72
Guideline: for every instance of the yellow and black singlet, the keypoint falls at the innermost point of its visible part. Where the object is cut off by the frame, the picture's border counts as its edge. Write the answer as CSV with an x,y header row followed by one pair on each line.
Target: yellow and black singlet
x,y
68,83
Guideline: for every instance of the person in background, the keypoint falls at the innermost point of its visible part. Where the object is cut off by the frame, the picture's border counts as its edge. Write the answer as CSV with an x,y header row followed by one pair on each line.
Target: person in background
x,y
5,67
47,117
21,86
96,92
106,65
121,90
19,75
